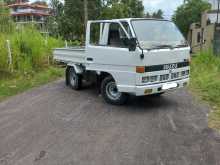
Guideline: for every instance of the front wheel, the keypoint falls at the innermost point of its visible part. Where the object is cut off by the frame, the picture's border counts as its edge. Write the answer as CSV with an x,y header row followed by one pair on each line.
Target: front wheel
x,y
110,92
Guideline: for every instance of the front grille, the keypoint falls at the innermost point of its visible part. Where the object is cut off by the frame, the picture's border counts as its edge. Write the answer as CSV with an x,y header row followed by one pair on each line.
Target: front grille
x,y
175,75
185,73
154,68
164,77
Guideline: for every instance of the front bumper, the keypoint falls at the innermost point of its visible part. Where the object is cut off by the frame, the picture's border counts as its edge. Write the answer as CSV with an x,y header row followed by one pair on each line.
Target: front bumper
x,y
154,88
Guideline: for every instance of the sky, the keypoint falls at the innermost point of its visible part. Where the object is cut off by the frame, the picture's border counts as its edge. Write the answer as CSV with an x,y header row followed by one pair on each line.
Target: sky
x,y
168,6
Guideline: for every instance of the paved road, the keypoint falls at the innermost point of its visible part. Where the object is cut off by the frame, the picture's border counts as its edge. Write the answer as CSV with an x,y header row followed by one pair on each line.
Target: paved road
x,y
53,125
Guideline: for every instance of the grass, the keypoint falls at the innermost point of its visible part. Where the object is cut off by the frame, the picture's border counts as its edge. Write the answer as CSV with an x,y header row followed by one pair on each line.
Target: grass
x,y
205,82
28,53
12,84
31,56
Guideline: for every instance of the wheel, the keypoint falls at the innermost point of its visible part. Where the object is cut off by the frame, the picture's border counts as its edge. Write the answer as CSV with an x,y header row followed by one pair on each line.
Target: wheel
x,y
110,92
74,79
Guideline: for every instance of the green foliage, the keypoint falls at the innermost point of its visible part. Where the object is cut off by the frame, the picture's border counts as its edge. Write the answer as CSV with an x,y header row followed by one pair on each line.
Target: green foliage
x,y
72,22
135,8
30,50
3,52
188,13
14,84
158,14
116,10
55,22
205,80
5,21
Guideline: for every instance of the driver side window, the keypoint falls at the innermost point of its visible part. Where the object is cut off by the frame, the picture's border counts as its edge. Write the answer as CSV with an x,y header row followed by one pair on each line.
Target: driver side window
x,y
117,37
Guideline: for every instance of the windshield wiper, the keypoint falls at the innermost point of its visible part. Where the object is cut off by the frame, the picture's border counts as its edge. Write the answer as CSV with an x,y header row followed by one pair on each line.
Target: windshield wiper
x,y
181,45
161,47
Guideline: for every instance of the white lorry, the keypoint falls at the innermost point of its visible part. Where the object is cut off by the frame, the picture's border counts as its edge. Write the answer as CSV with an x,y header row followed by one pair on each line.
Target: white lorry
x,y
129,56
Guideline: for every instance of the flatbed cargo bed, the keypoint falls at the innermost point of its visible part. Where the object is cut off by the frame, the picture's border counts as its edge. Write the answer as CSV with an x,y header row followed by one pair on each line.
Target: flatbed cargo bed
x,y
70,55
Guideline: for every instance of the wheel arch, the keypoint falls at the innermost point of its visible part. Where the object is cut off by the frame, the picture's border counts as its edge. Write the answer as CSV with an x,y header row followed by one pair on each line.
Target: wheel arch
x,y
102,75
78,69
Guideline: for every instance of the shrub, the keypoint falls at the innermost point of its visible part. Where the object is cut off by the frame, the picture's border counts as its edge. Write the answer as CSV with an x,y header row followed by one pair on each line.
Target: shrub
x,y
30,49
205,80
205,76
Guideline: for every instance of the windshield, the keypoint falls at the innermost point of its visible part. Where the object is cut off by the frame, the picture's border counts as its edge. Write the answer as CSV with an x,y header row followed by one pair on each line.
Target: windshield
x,y
158,34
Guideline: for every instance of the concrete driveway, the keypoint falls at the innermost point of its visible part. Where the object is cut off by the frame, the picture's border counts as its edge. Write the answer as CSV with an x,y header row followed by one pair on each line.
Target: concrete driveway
x,y
53,125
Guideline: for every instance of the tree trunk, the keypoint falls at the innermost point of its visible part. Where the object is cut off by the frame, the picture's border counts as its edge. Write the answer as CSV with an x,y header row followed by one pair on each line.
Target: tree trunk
x,y
85,13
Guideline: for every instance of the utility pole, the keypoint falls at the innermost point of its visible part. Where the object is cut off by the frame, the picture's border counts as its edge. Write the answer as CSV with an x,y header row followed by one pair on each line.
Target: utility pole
x,y
218,11
85,12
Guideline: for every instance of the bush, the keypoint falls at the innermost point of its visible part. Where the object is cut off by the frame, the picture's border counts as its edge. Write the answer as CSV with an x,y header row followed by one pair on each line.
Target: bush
x,y
205,80
30,49
3,52
206,76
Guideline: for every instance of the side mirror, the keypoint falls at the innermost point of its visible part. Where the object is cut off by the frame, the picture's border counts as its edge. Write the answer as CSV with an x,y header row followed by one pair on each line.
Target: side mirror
x,y
132,44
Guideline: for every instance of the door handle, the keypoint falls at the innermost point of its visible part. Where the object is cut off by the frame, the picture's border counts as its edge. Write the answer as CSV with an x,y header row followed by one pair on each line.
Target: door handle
x,y
89,59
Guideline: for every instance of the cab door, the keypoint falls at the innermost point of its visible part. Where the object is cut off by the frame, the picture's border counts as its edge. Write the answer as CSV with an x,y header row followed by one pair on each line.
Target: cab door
x,y
107,51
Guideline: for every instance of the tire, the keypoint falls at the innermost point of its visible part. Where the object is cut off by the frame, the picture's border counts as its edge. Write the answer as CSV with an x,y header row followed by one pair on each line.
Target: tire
x,y
74,80
110,92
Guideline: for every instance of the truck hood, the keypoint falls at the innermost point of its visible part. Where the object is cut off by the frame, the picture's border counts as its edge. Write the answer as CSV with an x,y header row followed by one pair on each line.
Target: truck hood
x,y
163,56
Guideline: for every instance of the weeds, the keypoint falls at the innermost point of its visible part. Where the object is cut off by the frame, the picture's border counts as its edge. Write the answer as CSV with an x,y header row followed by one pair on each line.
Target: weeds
x,y
205,80
16,83
30,50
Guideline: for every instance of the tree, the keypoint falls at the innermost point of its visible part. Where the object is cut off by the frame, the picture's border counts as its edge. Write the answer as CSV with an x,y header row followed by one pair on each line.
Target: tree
x,y
54,22
147,15
135,8
75,15
188,13
158,14
5,20
57,8
77,12
113,11
122,8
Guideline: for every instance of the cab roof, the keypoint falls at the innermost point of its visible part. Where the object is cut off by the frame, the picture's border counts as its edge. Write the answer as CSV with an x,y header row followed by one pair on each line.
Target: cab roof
x,y
128,19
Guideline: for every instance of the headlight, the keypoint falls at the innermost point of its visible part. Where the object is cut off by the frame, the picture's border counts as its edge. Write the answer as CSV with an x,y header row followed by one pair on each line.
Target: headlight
x,y
185,73
149,79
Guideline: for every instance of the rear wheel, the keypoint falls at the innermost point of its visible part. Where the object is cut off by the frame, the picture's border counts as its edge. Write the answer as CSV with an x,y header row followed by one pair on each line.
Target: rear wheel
x,y
74,79
110,92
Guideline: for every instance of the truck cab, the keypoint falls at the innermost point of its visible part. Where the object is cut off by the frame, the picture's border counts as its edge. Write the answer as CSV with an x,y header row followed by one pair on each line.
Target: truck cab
x,y
130,56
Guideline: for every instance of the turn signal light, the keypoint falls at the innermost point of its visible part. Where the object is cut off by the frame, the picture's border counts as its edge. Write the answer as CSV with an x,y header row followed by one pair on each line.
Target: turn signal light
x,y
140,69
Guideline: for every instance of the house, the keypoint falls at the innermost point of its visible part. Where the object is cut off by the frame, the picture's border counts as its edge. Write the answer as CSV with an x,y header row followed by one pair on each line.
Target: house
x,y
205,34
23,13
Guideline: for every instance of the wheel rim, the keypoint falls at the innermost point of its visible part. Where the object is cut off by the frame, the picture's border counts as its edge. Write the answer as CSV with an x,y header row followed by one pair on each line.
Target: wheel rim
x,y
73,78
112,91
